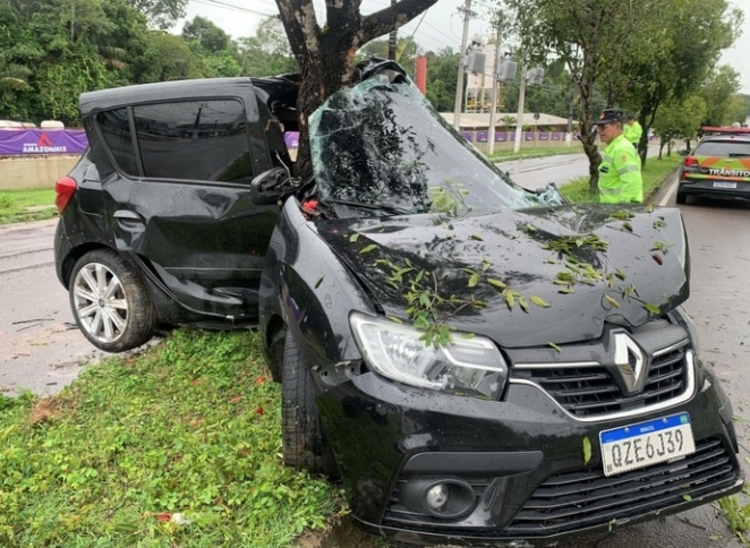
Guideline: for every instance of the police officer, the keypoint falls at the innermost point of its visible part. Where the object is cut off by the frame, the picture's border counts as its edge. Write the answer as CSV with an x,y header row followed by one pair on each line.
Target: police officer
x,y
632,130
620,171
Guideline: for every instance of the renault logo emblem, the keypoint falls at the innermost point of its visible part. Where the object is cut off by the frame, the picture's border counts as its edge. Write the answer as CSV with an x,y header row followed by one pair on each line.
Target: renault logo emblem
x,y
630,362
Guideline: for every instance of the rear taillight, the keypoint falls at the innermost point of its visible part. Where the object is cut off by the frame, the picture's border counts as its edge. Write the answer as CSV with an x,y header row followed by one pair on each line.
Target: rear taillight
x,y
690,161
65,187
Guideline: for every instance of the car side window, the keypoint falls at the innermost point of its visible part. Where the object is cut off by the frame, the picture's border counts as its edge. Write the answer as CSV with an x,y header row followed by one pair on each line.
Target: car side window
x,y
116,132
198,140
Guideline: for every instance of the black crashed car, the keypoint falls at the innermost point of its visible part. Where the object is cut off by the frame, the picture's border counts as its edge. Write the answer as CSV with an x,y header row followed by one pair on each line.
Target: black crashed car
x,y
718,167
157,223
479,363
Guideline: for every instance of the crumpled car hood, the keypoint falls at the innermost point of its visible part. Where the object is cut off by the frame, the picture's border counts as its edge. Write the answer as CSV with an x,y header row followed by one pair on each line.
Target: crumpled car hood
x,y
567,269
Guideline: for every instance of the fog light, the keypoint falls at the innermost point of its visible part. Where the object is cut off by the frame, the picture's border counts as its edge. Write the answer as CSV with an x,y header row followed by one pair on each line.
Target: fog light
x,y
446,498
437,496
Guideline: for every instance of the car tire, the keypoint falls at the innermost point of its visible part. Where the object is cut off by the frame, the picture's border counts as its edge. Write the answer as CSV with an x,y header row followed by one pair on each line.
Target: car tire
x,y
110,302
681,198
303,443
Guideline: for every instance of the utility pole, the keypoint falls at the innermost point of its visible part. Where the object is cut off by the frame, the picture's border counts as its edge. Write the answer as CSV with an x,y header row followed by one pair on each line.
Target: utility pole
x,y
466,10
493,108
392,39
519,116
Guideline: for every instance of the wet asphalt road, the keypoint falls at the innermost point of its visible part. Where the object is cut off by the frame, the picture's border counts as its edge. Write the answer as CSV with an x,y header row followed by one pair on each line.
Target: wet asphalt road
x,y
41,350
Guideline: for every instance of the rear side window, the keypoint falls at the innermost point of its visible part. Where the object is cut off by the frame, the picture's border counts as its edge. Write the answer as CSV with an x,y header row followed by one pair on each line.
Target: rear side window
x,y
116,131
726,149
199,140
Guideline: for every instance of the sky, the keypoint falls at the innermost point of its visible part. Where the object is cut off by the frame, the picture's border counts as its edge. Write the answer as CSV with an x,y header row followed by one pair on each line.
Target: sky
x,y
441,26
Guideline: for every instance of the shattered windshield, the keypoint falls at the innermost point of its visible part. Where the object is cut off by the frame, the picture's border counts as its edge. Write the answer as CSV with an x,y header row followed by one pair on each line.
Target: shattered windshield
x,y
382,146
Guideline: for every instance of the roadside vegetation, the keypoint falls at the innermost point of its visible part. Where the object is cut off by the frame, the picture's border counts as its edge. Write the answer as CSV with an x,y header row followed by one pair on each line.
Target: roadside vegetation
x,y
27,205
654,174
177,446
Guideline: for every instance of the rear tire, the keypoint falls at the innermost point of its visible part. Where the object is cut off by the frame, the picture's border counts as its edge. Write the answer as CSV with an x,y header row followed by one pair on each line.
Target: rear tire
x,y
303,443
681,198
110,302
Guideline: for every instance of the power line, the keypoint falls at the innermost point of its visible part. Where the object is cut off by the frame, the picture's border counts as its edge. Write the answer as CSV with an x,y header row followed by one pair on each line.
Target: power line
x,y
227,5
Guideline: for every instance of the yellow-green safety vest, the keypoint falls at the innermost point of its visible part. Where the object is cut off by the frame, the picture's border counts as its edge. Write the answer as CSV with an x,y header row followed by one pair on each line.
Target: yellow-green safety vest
x,y
633,133
620,173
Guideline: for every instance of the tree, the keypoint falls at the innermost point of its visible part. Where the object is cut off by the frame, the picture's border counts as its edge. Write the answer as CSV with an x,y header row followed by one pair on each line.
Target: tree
x,y
679,120
738,109
442,78
680,56
719,87
267,52
594,38
210,37
161,13
168,57
325,53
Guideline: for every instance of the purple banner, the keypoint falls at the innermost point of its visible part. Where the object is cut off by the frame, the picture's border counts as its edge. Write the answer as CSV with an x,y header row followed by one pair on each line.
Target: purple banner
x,y
501,137
14,142
482,136
466,135
528,136
543,136
556,136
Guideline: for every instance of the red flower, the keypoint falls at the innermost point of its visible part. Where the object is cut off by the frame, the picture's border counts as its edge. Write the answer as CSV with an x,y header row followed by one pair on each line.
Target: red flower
x,y
259,410
260,380
164,516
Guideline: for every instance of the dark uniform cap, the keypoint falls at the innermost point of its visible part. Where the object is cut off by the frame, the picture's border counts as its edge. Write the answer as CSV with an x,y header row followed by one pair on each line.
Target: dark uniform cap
x,y
609,115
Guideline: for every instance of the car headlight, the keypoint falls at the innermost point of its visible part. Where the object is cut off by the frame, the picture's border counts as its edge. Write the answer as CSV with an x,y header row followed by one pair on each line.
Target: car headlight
x,y
465,366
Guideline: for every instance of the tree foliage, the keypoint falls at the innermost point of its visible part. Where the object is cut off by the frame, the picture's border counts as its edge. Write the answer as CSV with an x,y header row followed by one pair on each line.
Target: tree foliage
x,y
161,13
267,52
679,120
680,56
718,91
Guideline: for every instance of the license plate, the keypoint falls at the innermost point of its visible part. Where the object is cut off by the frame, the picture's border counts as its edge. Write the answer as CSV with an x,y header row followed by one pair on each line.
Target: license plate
x,y
720,184
646,443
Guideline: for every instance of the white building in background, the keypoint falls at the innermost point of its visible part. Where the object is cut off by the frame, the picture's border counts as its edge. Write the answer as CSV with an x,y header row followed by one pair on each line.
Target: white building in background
x,y
479,89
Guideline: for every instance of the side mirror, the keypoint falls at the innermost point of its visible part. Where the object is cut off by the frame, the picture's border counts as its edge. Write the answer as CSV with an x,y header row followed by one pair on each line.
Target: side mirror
x,y
271,186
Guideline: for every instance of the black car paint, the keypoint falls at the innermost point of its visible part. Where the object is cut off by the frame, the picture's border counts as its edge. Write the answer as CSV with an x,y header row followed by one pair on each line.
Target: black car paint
x,y
517,256
385,434
379,429
199,244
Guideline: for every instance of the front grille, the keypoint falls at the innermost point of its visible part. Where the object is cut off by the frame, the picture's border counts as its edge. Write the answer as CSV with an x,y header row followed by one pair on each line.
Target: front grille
x,y
592,392
576,500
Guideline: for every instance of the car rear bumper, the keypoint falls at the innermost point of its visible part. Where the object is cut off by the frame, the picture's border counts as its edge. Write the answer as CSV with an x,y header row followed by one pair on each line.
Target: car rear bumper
x,y
521,459
706,187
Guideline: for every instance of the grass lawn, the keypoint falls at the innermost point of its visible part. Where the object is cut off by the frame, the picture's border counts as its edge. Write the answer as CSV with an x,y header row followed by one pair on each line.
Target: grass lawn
x,y
27,205
653,176
137,447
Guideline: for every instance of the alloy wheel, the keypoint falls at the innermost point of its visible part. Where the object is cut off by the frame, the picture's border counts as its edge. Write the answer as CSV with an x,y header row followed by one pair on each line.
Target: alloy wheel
x,y
100,302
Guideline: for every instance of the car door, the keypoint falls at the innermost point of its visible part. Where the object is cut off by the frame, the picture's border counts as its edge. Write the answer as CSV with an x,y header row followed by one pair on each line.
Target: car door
x,y
183,209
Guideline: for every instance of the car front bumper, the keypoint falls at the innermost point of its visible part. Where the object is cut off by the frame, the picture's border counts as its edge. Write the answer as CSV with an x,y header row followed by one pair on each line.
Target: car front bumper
x,y
521,459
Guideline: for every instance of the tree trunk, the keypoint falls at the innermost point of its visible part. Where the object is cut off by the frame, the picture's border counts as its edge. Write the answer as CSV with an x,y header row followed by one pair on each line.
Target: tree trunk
x,y
661,147
321,77
325,54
